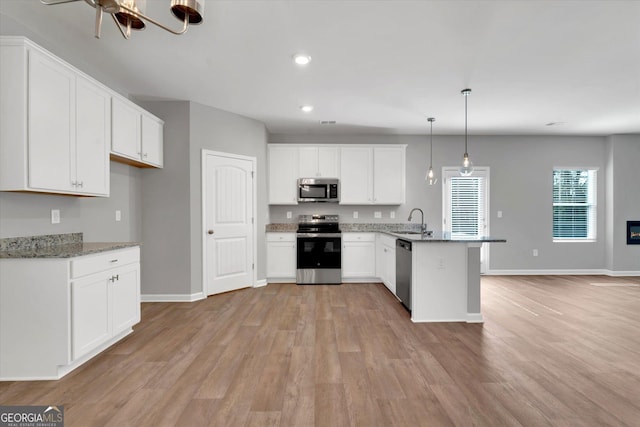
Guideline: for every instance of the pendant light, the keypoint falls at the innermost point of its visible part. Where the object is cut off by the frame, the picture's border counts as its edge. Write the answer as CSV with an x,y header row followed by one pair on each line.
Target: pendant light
x,y
467,166
431,177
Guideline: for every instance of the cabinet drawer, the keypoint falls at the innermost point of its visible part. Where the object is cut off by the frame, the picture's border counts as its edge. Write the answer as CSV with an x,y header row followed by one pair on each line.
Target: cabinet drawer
x,y
91,264
358,237
281,237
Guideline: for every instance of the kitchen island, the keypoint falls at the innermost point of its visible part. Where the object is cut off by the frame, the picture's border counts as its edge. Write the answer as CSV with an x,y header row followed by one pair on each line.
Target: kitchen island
x,y
445,277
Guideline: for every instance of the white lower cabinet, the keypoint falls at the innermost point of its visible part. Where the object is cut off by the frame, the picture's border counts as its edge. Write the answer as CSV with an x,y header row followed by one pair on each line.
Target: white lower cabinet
x,y
386,260
359,256
281,257
68,309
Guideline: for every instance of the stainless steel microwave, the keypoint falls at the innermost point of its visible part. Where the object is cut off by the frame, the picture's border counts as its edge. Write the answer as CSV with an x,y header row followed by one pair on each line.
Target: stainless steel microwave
x,y
318,190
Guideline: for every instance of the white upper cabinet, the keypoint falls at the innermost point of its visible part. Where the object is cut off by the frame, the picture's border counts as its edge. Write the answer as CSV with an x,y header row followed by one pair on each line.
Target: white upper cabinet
x,y
389,175
372,175
152,139
369,174
319,162
283,175
55,129
356,179
137,136
93,134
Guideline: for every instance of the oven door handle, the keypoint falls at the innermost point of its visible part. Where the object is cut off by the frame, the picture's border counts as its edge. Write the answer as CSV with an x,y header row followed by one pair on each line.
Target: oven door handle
x,y
318,234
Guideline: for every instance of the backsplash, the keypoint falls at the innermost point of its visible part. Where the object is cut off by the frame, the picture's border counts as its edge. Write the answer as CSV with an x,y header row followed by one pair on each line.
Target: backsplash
x,y
39,242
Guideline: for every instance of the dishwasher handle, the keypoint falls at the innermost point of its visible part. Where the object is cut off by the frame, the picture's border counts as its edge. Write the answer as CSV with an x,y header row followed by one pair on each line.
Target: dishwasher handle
x,y
403,244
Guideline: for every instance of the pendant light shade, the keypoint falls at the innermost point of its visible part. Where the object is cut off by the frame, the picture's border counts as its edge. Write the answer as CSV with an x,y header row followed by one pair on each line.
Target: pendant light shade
x,y
431,176
467,166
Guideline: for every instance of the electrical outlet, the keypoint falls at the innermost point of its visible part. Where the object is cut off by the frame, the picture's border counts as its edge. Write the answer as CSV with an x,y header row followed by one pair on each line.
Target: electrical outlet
x,y
499,214
535,252
440,263
55,216
377,214
118,215
289,214
355,214
392,214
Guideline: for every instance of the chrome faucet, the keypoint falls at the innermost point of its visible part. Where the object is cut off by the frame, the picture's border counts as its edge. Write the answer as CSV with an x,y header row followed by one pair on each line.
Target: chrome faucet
x,y
423,226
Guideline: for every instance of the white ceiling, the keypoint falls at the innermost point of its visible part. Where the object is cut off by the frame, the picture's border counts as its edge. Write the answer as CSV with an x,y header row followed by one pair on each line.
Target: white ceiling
x,y
378,66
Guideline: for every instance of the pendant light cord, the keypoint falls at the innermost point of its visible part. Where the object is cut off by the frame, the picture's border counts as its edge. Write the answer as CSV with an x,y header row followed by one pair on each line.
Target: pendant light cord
x,y
431,146
466,96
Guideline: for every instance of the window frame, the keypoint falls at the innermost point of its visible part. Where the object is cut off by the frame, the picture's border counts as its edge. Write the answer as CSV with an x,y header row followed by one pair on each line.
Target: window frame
x,y
591,204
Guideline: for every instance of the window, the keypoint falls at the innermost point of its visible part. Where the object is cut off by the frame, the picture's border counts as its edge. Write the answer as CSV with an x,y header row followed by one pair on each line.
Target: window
x,y
574,204
465,204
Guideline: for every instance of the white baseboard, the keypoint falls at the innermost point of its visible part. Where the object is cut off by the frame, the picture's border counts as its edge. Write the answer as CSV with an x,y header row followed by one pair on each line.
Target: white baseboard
x,y
280,280
622,273
172,297
260,283
474,318
594,272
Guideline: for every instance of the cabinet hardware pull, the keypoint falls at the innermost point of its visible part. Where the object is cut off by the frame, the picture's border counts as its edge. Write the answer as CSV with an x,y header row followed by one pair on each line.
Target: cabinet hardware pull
x,y
210,231
117,276
80,184
144,155
114,260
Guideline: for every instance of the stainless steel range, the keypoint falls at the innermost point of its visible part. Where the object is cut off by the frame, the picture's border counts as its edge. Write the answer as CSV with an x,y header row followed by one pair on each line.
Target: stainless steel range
x,y
319,243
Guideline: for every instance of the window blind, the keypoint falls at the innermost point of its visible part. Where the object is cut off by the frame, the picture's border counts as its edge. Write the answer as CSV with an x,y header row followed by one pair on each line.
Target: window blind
x,y
467,213
574,204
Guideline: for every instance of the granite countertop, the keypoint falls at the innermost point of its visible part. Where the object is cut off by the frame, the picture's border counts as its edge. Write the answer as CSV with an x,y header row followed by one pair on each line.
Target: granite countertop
x,y
55,246
441,237
406,231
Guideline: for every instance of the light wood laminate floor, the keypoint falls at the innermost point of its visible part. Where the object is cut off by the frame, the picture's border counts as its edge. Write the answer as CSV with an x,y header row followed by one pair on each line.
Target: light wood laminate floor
x,y
554,350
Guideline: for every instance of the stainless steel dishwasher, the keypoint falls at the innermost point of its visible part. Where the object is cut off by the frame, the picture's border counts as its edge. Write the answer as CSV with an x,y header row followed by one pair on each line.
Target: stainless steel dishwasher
x,y
403,272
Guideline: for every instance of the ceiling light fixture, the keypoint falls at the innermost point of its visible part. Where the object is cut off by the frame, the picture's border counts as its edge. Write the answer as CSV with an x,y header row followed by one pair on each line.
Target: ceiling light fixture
x,y
301,59
306,108
129,14
431,177
467,166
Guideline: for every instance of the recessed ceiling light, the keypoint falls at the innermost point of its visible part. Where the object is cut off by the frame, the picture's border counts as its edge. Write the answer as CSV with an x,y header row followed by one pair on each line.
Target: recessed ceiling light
x,y
555,123
301,59
306,108
327,122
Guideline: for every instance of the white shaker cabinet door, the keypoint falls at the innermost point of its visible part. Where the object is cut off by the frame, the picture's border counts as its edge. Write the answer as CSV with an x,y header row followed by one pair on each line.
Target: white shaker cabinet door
x,y
125,295
152,140
389,175
90,313
355,175
125,129
283,175
51,123
93,136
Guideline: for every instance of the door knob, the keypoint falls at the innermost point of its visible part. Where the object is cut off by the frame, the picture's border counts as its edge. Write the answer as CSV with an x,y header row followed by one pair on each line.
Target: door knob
x,y
210,231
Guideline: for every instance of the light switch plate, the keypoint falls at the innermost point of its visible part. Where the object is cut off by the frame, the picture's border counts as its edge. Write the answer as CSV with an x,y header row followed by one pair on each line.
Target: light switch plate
x,y
355,214
118,215
55,216
289,214
499,214
392,214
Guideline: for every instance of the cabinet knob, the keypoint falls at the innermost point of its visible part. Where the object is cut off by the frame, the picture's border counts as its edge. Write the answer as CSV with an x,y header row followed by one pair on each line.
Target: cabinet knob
x,y
210,232
144,155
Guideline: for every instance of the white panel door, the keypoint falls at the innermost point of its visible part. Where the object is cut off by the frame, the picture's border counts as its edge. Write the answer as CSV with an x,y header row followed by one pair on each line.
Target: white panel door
x,y
228,198
51,123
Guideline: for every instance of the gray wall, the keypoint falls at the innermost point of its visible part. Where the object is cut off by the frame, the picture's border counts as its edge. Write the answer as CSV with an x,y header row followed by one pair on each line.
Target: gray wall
x,y
172,196
166,252
29,214
624,201
219,130
520,186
